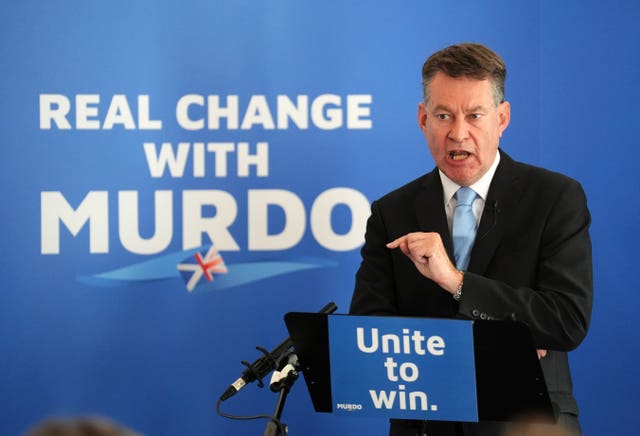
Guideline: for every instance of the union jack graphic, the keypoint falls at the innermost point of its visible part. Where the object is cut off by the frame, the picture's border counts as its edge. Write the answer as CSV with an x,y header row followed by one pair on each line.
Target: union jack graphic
x,y
206,266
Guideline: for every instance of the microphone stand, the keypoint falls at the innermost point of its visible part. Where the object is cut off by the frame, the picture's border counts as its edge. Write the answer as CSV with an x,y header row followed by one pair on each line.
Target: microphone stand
x,y
282,357
281,382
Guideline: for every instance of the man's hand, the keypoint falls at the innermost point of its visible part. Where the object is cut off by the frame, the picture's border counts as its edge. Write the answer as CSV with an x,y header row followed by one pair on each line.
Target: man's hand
x,y
541,353
428,254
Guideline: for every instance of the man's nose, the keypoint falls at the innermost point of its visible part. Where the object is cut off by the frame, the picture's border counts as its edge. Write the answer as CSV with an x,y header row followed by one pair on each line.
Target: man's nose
x,y
459,131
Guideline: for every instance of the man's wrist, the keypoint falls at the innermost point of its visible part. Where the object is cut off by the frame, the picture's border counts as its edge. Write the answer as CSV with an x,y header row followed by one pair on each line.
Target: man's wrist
x,y
457,294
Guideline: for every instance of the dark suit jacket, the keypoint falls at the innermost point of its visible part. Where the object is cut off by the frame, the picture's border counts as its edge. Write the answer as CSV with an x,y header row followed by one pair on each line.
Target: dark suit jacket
x,y
531,261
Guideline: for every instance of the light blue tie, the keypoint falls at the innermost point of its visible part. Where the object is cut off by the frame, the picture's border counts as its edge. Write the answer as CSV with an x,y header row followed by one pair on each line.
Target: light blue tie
x,y
464,227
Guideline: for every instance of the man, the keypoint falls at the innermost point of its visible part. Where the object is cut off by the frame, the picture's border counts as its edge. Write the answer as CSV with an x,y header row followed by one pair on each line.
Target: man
x,y
531,256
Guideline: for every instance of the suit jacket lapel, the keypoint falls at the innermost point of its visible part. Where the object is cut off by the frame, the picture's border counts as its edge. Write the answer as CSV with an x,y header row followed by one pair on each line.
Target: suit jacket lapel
x,y
504,195
433,220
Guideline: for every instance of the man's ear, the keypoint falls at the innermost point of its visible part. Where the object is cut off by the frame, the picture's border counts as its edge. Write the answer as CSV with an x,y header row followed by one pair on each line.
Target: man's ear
x,y
422,116
504,116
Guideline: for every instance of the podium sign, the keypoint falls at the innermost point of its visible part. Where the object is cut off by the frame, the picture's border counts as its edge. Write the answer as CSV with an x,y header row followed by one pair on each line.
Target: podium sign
x,y
407,368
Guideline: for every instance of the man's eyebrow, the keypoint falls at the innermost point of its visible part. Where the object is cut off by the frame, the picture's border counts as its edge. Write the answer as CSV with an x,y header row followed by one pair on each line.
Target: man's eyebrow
x,y
474,109
478,108
440,108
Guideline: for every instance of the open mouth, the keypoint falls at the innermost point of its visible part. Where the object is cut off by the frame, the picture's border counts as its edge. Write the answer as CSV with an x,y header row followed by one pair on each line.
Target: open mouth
x,y
458,155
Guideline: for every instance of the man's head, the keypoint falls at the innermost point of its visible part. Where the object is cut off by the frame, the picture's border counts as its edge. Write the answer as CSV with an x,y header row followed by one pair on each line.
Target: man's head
x,y
474,61
464,113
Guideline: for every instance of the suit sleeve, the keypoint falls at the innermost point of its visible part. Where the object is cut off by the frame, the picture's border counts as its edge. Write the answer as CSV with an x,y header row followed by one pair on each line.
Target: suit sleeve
x,y
374,292
556,305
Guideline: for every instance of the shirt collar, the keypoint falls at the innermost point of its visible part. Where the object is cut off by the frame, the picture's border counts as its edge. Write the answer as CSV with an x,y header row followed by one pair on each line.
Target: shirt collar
x,y
449,187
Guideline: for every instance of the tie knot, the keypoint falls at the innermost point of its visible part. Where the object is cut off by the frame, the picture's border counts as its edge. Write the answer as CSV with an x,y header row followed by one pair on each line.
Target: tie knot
x,y
465,196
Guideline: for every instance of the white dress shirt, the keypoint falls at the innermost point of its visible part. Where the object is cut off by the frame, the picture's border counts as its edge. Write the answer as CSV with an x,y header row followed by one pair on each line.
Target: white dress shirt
x,y
481,187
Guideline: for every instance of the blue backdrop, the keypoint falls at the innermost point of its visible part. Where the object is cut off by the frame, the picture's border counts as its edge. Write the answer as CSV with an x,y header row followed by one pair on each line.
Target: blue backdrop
x,y
281,121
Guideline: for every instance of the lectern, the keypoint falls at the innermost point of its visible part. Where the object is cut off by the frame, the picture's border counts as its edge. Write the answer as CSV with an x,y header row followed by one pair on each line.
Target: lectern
x,y
407,367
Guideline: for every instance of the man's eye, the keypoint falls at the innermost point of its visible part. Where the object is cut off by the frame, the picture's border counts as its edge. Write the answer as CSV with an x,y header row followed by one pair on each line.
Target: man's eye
x,y
475,116
442,116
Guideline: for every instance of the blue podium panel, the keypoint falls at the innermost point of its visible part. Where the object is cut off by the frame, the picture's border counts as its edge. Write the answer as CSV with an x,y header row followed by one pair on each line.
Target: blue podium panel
x,y
403,368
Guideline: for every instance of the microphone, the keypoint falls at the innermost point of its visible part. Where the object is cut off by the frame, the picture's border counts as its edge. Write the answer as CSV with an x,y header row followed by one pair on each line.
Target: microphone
x,y
495,211
267,363
492,209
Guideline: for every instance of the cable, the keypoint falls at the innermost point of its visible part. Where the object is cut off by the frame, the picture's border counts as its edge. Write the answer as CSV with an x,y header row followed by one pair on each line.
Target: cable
x,y
281,426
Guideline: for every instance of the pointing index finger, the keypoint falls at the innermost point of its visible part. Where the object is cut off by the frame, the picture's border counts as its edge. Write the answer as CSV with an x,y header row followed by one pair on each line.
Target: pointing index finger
x,y
396,243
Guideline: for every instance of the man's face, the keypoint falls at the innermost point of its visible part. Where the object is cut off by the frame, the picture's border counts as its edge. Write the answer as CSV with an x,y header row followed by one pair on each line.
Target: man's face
x,y
462,126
